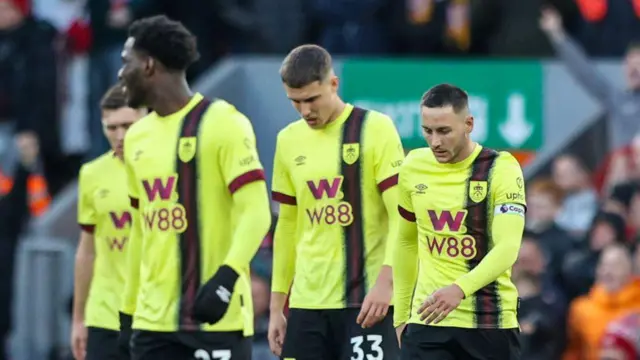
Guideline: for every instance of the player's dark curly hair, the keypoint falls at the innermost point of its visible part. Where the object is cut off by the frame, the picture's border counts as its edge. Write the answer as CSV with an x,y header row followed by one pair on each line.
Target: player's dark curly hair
x,y
166,40
444,95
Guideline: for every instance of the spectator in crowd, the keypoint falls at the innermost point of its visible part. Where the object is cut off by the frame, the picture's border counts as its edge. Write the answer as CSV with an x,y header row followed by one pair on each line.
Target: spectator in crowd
x,y
14,212
579,268
351,27
28,86
615,293
544,200
540,332
431,27
608,26
510,28
580,199
622,339
621,105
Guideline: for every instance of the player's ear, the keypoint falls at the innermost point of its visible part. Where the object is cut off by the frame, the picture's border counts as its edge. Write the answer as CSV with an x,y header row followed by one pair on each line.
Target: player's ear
x,y
334,83
468,124
150,66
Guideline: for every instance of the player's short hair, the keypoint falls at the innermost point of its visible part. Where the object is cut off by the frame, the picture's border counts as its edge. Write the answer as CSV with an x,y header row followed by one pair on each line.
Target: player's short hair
x,y
304,65
444,95
166,40
547,186
114,99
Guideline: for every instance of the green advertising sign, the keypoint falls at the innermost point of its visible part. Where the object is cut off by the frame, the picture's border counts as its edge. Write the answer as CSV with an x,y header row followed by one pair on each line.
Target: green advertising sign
x,y
505,98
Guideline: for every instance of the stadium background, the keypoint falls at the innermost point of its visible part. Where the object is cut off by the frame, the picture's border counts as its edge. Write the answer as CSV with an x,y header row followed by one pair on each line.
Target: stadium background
x,y
58,56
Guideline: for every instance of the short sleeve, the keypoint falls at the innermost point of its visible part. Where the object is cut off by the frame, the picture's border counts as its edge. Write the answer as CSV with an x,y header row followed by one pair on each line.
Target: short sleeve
x,y
405,205
239,159
388,155
86,208
282,186
132,183
508,186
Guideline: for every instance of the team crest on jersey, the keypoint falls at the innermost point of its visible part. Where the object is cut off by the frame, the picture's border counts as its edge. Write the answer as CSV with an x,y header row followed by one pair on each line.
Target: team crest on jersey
x,y
477,190
187,148
350,153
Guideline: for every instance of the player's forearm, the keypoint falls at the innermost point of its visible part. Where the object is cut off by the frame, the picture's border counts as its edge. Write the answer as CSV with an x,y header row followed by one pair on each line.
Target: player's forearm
x,y
390,199
284,249
83,274
251,202
278,301
507,236
132,278
405,270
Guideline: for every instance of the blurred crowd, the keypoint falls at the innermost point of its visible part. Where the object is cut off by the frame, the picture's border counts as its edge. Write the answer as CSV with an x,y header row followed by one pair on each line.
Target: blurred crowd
x,y
578,265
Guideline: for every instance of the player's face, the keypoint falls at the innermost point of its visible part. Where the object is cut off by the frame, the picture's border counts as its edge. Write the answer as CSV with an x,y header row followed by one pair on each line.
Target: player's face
x,y
115,124
632,69
315,102
446,132
134,74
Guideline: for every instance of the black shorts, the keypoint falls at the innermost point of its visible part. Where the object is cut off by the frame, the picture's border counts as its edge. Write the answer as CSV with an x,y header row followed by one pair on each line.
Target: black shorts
x,y
421,342
102,344
335,335
190,345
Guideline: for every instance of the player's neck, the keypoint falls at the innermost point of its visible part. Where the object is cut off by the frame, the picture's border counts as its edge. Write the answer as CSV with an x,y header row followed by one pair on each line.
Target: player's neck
x,y
465,152
171,96
340,105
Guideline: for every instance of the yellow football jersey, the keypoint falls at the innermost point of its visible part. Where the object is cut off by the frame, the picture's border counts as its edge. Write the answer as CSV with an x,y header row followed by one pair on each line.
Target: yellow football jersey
x,y
103,210
336,176
453,207
183,171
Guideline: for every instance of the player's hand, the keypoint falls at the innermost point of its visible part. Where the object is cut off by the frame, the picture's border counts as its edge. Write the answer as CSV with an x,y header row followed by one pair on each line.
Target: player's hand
x,y
399,331
277,331
550,21
214,297
376,304
79,340
437,306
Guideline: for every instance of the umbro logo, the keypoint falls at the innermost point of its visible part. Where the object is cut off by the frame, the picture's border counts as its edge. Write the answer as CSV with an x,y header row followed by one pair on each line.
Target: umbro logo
x,y
300,160
223,294
137,155
421,188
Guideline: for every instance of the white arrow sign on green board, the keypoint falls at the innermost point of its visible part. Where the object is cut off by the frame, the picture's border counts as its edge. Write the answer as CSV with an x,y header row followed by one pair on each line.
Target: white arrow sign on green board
x,y
504,97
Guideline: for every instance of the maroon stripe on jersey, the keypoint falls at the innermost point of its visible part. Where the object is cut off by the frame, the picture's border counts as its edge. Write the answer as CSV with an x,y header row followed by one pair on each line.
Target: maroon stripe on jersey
x,y
88,228
356,281
388,183
406,214
134,202
284,198
487,299
190,256
246,178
